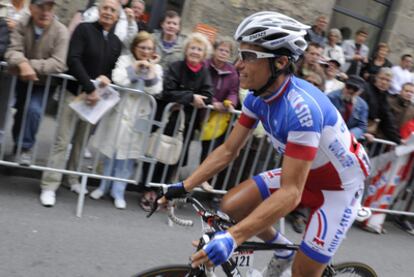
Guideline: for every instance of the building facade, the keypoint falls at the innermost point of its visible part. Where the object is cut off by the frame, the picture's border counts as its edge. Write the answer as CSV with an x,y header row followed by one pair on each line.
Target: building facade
x,y
389,21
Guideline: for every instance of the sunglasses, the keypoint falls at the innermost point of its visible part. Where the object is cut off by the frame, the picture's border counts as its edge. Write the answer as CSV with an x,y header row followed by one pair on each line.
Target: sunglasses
x,y
251,55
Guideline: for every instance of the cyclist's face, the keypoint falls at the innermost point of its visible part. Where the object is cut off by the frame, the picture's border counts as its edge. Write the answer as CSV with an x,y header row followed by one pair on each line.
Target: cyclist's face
x,y
255,73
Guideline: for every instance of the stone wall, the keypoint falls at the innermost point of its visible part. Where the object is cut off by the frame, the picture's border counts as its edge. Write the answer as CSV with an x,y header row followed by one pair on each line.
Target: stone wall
x,y
225,15
399,31
67,8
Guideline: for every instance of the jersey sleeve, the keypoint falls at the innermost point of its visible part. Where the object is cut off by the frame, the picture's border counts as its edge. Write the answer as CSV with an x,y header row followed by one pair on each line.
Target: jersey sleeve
x,y
248,117
305,124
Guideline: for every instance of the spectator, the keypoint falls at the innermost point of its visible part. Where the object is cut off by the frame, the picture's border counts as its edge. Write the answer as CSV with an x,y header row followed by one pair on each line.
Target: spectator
x,y
316,80
401,73
311,61
317,34
38,47
356,53
125,28
124,145
378,60
12,12
354,109
225,82
93,52
381,121
332,73
187,82
332,50
138,6
169,43
401,105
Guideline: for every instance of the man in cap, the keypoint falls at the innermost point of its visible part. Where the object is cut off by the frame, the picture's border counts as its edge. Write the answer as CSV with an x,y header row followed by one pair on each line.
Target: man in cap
x,y
332,72
38,47
354,109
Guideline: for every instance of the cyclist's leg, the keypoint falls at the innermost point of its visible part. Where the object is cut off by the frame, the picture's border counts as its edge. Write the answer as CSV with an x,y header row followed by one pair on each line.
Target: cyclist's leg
x,y
303,266
241,200
332,215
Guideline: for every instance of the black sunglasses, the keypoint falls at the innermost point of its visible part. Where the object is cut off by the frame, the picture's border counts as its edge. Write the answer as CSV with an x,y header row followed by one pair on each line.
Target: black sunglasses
x,y
352,87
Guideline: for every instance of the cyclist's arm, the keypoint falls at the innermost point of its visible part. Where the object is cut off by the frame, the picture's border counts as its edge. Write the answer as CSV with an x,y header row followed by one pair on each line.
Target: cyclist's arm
x,y
219,158
279,204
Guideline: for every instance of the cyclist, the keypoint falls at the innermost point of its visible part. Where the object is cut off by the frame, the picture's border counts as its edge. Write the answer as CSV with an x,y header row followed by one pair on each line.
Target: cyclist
x,y
323,167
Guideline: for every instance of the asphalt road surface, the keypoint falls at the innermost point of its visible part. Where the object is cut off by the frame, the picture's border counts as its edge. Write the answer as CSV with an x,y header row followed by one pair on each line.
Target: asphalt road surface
x,y
42,242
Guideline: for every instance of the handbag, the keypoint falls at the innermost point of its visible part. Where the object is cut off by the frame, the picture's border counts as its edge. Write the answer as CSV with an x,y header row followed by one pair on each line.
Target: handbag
x,y
167,149
215,126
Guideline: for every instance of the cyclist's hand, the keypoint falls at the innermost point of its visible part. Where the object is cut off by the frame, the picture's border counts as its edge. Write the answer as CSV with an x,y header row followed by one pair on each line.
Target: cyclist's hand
x,y
173,191
217,251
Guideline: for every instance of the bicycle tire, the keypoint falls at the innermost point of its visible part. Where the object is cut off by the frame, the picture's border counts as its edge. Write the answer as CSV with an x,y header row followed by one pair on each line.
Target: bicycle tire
x,y
353,269
167,271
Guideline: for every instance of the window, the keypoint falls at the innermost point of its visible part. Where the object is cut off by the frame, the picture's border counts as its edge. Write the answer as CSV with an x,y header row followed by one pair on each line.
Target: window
x,y
352,15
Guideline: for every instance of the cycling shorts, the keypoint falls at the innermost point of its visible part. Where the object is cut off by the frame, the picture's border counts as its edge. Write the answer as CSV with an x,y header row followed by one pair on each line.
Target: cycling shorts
x,y
332,214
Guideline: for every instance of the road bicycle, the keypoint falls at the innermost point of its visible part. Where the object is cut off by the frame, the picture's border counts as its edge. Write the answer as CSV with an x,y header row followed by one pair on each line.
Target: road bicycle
x,y
243,257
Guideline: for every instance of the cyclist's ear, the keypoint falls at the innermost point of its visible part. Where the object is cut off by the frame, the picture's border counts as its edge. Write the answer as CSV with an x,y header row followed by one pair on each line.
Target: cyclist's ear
x,y
281,62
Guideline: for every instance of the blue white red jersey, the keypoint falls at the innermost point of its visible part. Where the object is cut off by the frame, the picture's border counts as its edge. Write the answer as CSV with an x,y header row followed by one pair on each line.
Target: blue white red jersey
x,y
302,123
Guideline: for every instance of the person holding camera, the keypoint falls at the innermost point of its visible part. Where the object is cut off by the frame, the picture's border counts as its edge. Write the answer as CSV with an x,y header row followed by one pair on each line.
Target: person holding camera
x,y
115,137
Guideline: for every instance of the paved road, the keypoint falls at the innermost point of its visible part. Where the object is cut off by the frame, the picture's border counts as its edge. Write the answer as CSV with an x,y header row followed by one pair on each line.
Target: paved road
x,y
42,242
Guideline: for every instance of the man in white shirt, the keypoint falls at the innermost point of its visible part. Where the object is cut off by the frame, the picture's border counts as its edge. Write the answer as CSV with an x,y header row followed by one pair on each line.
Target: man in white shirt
x,y
401,73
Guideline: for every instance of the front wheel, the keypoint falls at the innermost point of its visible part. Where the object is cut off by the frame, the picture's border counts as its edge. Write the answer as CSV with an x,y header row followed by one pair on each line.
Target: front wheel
x,y
352,269
171,271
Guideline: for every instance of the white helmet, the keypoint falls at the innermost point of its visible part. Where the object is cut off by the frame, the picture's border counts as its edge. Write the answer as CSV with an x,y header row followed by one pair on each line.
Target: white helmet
x,y
272,30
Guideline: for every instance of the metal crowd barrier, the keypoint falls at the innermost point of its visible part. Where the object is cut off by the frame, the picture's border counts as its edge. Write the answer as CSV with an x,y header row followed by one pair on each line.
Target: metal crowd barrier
x,y
257,156
42,148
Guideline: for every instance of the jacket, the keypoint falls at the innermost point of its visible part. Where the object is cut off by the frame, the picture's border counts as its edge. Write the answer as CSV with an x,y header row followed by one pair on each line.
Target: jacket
x,y
46,55
91,55
117,135
358,120
402,109
180,84
169,55
4,38
379,108
225,81
348,46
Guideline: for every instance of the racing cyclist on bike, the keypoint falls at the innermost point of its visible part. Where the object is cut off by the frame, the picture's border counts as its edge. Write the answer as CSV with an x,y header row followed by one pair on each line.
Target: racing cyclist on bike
x,y
324,168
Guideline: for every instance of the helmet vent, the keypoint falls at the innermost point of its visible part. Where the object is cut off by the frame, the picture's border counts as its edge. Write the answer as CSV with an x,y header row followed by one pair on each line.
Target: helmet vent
x,y
275,36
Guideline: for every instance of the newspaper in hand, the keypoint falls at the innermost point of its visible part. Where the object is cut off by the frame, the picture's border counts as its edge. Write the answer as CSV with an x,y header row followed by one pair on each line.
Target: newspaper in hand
x,y
92,114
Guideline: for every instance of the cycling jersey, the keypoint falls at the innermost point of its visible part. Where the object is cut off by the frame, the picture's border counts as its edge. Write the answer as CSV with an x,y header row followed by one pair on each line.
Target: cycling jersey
x,y
302,123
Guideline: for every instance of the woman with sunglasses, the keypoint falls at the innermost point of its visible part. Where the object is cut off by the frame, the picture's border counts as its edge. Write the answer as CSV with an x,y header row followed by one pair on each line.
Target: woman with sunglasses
x,y
323,167
116,137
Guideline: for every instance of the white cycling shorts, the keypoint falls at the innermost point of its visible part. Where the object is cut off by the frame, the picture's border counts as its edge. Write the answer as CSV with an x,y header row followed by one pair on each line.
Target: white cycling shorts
x,y
332,214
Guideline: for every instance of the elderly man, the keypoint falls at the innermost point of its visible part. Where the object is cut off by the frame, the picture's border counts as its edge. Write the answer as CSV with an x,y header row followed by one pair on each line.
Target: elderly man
x,y
401,105
331,73
93,52
354,109
38,47
381,122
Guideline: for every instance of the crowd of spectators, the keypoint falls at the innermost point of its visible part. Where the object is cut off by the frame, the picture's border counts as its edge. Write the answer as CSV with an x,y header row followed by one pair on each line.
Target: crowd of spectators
x,y
108,42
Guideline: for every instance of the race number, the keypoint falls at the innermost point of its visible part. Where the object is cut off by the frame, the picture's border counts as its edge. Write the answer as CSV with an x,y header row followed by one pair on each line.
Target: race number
x,y
243,259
